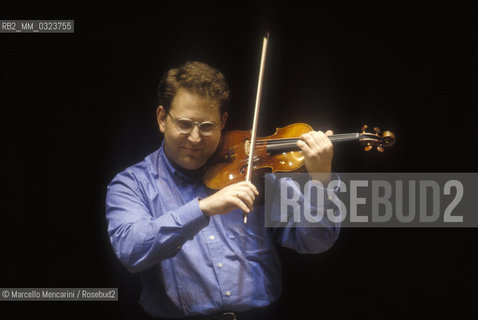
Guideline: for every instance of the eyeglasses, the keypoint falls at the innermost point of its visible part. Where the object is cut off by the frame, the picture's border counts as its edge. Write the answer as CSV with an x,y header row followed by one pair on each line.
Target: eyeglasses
x,y
185,126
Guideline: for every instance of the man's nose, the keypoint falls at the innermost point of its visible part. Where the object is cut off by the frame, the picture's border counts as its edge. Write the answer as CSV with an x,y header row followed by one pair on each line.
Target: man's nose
x,y
194,135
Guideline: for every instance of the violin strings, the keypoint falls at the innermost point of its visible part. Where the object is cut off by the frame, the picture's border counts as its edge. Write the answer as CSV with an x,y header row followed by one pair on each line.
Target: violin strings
x,y
334,138
290,142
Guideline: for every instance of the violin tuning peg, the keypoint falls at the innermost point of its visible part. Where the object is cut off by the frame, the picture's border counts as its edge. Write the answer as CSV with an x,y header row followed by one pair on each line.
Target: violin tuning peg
x,y
364,127
377,130
368,148
380,148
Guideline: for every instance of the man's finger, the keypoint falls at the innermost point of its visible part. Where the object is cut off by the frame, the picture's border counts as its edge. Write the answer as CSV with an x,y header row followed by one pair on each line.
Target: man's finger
x,y
247,198
241,205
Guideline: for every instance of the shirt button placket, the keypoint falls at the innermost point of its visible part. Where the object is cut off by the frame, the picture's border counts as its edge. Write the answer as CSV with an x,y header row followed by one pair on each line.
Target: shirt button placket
x,y
217,256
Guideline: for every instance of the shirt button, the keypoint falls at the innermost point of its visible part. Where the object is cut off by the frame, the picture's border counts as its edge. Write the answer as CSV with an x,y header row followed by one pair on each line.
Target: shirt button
x,y
220,265
228,293
212,237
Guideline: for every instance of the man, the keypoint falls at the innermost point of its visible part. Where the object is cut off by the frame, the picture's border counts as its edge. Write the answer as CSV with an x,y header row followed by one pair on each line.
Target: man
x,y
194,254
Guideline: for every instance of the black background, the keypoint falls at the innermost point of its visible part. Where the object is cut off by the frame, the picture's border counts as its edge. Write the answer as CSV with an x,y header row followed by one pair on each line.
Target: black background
x,y
78,108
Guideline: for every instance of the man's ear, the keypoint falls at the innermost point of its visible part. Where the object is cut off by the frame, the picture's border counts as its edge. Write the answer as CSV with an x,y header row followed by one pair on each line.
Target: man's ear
x,y
224,119
161,118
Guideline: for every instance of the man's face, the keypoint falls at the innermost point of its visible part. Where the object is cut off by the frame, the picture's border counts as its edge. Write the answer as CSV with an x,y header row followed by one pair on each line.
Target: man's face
x,y
190,150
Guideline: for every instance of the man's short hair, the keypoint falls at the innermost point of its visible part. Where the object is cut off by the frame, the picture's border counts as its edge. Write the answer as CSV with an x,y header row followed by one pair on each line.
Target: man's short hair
x,y
198,78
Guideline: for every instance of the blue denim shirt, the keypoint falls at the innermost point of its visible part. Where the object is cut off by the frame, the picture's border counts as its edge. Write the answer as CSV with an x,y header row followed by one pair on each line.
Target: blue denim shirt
x,y
190,264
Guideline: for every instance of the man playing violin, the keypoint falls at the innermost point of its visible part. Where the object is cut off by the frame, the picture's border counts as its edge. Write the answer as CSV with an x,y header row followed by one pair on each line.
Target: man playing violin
x,y
196,257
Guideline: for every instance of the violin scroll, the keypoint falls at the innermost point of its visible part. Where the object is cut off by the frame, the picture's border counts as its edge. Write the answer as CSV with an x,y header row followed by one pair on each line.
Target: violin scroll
x,y
377,139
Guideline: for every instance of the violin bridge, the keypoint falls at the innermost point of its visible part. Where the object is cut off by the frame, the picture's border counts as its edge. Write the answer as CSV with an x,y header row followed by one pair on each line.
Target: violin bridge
x,y
247,147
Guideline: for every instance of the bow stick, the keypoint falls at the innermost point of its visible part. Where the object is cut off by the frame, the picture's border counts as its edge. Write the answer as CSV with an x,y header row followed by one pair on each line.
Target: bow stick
x,y
256,112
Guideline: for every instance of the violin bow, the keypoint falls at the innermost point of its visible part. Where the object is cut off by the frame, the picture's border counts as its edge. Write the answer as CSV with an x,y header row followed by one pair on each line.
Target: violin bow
x,y
256,112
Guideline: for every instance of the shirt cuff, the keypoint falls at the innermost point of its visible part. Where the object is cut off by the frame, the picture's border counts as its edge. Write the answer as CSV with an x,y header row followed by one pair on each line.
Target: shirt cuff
x,y
329,192
192,218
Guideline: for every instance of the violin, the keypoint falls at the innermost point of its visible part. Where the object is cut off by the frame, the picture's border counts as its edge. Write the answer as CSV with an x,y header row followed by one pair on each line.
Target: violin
x,y
241,154
275,153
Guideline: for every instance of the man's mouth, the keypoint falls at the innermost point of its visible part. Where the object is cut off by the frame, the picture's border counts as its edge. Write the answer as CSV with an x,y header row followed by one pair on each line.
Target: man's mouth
x,y
193,149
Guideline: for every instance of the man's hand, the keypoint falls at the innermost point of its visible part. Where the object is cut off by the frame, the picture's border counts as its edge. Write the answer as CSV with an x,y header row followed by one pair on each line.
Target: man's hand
x,y
240,195
318,152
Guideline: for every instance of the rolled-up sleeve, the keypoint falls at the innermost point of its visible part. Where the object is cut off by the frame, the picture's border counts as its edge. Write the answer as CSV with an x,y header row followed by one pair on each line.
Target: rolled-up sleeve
x,y
139,239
